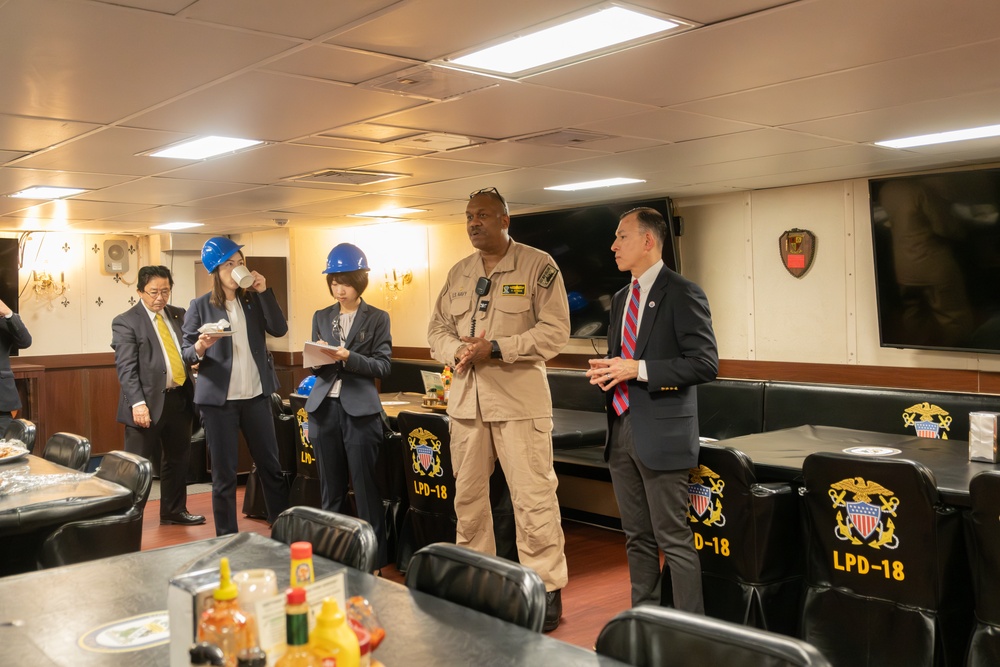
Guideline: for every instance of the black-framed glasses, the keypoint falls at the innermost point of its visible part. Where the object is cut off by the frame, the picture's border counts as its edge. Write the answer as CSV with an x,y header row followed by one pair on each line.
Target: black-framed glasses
x,y
487,191
165,293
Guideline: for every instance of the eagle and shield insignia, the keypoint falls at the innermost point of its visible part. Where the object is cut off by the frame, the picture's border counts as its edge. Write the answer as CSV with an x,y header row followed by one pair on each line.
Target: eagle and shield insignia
x,y
705,499
864,519
797,248
425,452
921,417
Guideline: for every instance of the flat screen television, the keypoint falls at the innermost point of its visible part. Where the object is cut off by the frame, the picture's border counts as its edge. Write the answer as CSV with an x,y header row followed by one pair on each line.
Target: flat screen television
x,y
936,242
580,239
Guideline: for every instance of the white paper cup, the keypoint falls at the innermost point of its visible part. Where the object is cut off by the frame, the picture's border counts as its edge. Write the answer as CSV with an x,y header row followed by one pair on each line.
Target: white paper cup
x,y
242,276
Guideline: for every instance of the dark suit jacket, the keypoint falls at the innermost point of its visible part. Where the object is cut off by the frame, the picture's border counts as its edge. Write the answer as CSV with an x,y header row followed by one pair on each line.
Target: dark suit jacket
x,y
261,314
13,336
142,370
370,343
678,345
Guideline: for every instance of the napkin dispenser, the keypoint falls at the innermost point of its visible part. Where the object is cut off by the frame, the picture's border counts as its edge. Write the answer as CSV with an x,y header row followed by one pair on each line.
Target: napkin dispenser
x,y
188,596
983,436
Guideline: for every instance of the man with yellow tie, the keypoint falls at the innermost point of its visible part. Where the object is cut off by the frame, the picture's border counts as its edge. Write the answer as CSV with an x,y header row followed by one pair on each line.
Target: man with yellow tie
x,y
156,400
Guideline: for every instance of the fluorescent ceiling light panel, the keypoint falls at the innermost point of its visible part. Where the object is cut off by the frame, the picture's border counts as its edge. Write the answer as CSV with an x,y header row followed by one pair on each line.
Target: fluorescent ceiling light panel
x,y
391,212
206,147
605,28
942,137
175,226
46,192
603,183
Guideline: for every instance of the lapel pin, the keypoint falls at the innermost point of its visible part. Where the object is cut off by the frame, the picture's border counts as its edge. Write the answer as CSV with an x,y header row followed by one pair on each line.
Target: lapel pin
x,y
652,303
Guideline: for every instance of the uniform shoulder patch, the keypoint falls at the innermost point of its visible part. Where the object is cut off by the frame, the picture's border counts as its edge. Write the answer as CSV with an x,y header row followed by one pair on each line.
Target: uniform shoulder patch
x,y
549,274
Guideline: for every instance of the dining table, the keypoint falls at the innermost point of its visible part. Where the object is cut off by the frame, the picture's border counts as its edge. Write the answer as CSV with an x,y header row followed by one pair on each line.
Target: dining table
x,y
36,493
57,616
778,455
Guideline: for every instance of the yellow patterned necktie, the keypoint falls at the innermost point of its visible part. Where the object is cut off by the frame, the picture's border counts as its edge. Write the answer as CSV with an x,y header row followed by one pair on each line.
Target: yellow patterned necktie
x,y
176,365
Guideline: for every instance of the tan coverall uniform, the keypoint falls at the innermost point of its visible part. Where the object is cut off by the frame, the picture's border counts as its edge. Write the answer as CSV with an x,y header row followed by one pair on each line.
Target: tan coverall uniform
x,y
502,408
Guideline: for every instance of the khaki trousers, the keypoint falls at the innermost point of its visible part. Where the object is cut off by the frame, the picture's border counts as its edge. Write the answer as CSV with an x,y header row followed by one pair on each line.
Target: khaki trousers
x,y
524,449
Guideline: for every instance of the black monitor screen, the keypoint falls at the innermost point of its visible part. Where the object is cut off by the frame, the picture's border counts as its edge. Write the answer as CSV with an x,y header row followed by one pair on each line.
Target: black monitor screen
x,y
580,239
936,240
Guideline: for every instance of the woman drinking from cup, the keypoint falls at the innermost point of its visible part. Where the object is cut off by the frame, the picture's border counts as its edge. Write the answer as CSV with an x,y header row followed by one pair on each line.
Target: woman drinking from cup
x,y
345,413
235,376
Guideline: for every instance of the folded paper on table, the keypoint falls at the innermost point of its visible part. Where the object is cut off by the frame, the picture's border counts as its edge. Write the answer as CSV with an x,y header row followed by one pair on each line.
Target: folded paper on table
x,y
983,436
432,381
316,354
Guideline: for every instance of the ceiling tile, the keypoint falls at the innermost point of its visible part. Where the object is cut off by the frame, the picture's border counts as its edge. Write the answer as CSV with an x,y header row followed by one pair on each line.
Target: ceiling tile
x,y
306,19
18,133
109,151
160,191
99,63
337,64
272,107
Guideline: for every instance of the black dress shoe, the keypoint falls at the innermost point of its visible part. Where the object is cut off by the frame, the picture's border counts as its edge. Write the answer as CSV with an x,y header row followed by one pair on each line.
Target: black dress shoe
x,y
553,610
182,519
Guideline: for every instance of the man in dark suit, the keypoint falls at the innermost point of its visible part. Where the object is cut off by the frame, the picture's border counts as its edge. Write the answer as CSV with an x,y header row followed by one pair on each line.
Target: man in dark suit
x,y
661,336
155,403
13,336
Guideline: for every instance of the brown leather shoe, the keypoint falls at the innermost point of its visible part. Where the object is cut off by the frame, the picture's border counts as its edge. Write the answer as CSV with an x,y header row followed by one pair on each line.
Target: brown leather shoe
x,y
182,519
553,610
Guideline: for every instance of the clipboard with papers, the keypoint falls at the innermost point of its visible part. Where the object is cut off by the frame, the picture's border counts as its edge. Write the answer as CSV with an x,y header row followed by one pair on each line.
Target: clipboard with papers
x,y
317,354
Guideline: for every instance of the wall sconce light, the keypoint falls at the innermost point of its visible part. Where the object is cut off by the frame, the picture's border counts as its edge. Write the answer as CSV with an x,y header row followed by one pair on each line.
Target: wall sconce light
x,y
394,280
46,287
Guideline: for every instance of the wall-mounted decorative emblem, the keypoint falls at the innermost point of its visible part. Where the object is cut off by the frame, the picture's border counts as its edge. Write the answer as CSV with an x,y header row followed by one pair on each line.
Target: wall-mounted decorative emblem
x,y
96,249
131,301
99,302
798,249
65,247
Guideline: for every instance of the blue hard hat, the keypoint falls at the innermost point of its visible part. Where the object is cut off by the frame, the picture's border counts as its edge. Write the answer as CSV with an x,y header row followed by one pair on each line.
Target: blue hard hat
x,y
216,251
577,301
306,386
346,257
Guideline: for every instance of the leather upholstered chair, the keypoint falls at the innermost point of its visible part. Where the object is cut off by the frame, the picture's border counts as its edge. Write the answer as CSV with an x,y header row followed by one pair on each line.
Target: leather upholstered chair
x,y
490,584
649,636
111,535
345,539
984,541
430,485
748,537
887,578
23,430
68,449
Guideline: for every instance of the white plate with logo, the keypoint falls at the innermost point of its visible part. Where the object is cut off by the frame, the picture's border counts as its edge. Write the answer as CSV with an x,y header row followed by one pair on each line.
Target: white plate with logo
x,y
873,451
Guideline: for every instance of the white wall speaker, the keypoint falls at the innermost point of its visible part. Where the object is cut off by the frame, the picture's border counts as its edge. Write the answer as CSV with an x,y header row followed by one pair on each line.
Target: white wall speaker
x,y
115,256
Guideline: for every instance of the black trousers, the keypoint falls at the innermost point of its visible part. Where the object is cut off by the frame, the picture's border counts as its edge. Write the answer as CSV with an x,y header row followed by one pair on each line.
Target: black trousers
x,y
223,423
172,432
346,447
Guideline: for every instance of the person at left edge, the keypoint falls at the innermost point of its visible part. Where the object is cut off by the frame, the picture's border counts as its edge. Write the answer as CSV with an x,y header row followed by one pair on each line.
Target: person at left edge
x,y
236,379
13,336
345,413
157,389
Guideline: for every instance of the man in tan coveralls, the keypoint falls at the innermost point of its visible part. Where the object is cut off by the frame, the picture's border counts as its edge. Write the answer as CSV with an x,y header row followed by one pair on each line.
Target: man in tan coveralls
x,y
502,313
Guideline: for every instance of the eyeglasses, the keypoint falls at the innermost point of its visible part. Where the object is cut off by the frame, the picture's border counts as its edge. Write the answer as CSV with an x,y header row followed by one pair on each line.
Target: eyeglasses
x,y
492,192
487,191
165,293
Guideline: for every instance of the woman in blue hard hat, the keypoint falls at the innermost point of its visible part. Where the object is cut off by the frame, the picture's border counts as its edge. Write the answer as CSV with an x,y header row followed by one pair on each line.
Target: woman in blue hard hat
x,y
235,379
345,413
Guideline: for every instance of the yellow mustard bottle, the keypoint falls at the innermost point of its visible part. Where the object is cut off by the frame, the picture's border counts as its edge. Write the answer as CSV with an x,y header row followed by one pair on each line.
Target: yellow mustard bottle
x,y
333,641
302,564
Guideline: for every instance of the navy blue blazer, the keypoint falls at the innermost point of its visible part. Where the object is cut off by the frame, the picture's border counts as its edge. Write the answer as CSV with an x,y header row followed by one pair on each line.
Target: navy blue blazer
x,y
677,343
261,314
13,336
370,343
142,370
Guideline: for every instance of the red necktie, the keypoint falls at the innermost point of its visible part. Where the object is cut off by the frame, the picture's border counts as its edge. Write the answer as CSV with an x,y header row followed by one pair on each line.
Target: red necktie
x,y
620,400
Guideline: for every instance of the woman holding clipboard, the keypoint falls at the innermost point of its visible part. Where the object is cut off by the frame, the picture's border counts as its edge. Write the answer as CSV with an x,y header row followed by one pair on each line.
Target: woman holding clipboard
x,y
345,424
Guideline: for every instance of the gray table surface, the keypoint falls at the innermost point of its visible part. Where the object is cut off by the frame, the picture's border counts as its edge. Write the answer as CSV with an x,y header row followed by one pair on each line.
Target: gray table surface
x,y
54,608
778,455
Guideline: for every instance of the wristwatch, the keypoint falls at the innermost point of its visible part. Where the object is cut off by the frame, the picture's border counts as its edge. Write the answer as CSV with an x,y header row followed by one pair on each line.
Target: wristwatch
x,y
495,350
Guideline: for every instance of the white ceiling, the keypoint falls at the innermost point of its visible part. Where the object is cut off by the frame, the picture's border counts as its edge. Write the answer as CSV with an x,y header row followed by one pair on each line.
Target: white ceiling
x,y
764,93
